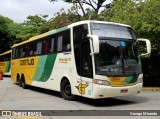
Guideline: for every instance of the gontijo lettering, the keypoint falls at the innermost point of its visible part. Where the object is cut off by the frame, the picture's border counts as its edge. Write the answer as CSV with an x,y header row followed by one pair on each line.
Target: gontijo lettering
x,y
27,62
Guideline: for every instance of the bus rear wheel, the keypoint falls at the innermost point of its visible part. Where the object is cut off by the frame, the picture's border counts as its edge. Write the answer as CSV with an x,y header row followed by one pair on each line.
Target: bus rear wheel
x,y
66,91
19,81
24,86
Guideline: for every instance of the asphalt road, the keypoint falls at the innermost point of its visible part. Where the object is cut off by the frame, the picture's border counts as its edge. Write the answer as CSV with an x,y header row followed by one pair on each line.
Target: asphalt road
x,y
13,97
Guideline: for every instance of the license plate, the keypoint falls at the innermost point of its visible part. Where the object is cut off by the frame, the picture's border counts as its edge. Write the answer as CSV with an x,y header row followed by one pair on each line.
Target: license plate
x,y
124,90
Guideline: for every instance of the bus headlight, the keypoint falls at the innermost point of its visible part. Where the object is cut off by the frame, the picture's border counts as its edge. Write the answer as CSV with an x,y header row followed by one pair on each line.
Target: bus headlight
x,y
140,80
101,82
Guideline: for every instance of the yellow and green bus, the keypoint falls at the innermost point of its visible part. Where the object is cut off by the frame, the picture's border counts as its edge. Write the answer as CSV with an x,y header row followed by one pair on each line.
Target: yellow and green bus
x,y
5,63
93,59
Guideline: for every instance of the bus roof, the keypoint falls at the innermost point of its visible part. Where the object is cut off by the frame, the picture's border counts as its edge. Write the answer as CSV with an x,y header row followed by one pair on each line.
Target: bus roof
x,y
41,36
64,28
7,52
94,21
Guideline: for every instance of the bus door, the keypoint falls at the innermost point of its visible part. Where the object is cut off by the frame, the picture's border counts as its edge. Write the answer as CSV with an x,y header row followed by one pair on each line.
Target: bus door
x,y
86,71
83,60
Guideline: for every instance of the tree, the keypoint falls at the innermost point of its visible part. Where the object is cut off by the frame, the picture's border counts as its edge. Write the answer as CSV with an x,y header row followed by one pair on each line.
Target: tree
x,y
34,25
144,17
7,33
62,18
94,4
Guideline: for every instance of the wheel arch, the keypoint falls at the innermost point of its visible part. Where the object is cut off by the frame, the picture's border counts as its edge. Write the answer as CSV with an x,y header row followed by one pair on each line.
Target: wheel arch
x,y
66,78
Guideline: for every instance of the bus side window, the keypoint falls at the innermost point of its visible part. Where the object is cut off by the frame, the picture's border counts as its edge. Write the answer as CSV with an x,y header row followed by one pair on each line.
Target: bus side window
x,y
31,47
16,52
59,43
21,53
39,48
45,46
51,48
66,41
63,41
13,53
27,50
55,44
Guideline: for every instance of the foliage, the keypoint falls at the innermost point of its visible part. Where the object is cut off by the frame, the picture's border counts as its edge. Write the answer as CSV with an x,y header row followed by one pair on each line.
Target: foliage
x,y
6,34
11,33
94,4
34,25
143,16
62,18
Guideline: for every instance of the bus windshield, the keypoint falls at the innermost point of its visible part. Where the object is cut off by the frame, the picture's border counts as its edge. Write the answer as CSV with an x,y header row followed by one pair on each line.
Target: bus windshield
x,y
119,54
118,58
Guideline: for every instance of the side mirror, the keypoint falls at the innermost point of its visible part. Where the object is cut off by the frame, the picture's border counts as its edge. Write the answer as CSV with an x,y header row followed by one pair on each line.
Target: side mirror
x,y
95,41
148,46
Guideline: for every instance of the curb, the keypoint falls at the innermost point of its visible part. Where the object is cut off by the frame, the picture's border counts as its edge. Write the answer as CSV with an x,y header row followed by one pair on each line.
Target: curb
x,y
150,89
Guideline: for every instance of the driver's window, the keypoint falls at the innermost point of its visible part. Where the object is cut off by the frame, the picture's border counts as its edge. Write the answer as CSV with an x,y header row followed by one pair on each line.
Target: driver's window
x,y
109,53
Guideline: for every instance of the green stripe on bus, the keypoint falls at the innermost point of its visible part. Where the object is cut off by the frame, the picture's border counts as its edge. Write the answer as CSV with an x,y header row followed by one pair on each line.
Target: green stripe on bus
x,y
44,67
8,64
40,68
48,67
131,79
58,30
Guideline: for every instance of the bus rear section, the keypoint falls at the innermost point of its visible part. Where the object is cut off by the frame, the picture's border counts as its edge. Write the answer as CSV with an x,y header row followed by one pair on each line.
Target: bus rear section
x,y
5,63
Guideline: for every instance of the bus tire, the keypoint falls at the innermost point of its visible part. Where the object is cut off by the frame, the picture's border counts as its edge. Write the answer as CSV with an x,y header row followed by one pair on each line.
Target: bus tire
x,y
24,86
19,80
66,90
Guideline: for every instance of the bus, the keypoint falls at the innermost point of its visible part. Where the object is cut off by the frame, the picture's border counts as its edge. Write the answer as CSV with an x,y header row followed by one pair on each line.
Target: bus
x,y
5,63
93,59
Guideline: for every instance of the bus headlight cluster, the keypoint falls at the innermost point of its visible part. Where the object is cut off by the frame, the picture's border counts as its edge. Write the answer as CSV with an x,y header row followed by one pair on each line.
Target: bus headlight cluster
x,y
140,80
101,82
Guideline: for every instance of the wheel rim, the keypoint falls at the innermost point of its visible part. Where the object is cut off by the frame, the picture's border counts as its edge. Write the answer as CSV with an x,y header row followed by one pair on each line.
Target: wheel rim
x,y
67,90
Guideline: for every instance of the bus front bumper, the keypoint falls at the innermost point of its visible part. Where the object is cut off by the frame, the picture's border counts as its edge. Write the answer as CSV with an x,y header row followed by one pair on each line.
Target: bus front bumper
x,y
102,91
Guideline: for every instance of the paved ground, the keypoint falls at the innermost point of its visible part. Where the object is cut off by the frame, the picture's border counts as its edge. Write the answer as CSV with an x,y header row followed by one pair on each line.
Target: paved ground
x,y
13,97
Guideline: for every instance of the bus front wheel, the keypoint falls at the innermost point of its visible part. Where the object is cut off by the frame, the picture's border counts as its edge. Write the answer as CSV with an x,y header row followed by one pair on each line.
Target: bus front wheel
x,y
66,91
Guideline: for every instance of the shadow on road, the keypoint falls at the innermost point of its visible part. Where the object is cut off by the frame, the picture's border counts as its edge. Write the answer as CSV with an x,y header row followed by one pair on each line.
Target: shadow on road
x,y
117,101
106,102
42,90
